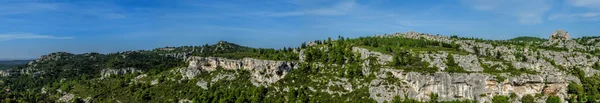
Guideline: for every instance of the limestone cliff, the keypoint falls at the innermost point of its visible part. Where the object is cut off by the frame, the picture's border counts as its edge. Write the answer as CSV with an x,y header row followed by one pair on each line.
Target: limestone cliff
x,y
264,72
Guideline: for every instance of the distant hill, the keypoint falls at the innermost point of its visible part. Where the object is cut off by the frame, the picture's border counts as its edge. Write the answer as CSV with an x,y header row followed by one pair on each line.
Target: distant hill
x,y
528,39
5,64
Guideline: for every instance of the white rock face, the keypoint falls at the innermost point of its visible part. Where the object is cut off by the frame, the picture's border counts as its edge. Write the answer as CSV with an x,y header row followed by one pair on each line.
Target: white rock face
x,y
479,86
436,60
66,98
189,73
154,82
365,54
108,72
43,90
264,72
468,62
186,101
4,73
202,84
462,86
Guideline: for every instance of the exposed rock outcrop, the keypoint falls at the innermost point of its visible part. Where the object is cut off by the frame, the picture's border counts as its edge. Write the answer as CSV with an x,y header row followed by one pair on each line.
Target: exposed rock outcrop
x,y
4,73
436,60
108,72
365,54
264,72
202,84
54,56
66,98
468,62
560,35
462,86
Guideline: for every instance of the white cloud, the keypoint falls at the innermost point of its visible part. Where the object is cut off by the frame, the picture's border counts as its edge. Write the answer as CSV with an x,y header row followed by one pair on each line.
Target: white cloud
x,y
339,8
525,11
15,36
590,8
12,8
591,4
572,17
115,16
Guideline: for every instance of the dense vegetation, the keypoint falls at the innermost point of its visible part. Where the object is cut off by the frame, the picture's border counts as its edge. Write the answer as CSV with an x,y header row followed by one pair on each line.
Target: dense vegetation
x,y
11,63
232,51
528,39
587,91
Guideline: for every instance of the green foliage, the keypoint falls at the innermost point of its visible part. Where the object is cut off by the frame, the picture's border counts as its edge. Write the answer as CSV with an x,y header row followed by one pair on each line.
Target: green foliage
x,y
528,99
514,71
454,36
513,96
232,51
587,91
433,98
577,92
587,40
575,88
510,69
528,39
500,79
553,99
498,55
409,62
12,63
453,66
596,66
398,99
500,99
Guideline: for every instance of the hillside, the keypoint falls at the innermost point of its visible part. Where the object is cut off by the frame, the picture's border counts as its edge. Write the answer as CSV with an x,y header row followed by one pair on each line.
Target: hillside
x,y
528,39
404,67
11,63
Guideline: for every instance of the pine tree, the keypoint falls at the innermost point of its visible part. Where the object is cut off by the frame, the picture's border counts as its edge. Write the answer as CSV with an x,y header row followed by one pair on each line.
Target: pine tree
x,y
498,55
303,45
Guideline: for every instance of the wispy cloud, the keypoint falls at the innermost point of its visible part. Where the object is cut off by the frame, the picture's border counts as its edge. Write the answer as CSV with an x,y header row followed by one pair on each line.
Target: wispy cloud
x,y
337,9
97,9
526,12
573,17
591,4
12,8
15,36
591,12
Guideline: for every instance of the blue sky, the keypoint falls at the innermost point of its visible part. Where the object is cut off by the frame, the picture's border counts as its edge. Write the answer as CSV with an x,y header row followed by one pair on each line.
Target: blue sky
x,y
30,28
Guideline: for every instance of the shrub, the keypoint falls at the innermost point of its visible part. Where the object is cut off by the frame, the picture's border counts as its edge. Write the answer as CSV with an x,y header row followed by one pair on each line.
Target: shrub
x,y
453,66
528,99
553,99
500,99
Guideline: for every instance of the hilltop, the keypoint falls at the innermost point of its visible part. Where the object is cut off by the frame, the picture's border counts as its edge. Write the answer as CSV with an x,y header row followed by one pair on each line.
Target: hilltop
x,y
403,67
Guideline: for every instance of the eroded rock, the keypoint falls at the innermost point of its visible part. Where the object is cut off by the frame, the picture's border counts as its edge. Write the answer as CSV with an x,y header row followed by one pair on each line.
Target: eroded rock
x,y
108,72
264,72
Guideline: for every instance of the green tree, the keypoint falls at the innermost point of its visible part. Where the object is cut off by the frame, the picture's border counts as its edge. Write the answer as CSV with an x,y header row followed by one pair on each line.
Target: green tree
x,y
500,99
434,98
528,99
553,99
453,67
498,55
